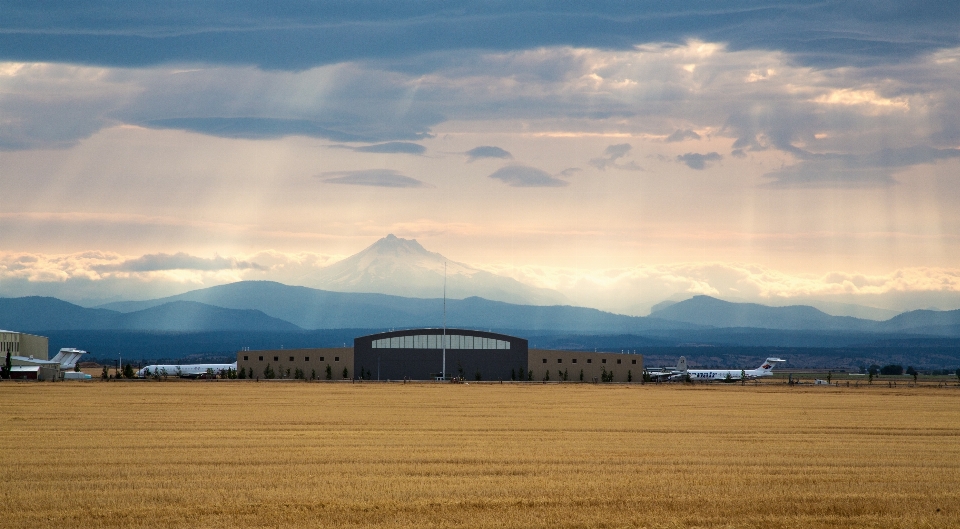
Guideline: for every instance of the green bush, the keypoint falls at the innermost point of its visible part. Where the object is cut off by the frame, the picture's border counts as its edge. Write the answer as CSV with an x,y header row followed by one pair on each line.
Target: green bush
x,y
268,372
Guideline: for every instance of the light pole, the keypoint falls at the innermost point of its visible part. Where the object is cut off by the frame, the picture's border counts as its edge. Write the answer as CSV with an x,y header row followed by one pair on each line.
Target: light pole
x,y
443,344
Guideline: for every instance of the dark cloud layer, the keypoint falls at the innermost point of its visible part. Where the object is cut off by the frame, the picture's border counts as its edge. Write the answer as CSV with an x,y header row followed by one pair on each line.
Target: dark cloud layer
x,y
297,35
680,135
526,176
487,151
177,261
252,128
874,169
698,161
392,147
371,177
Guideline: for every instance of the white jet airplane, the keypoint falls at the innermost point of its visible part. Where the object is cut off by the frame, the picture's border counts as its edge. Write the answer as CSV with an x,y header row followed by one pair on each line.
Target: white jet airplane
x,y
68,358
681,372
184,370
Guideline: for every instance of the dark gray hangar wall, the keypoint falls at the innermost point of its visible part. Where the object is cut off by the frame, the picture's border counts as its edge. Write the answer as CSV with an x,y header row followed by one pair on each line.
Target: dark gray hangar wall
x,y
417,354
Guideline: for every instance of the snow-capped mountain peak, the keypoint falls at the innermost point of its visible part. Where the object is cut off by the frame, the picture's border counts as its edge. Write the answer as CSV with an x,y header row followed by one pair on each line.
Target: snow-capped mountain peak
x,y
403,267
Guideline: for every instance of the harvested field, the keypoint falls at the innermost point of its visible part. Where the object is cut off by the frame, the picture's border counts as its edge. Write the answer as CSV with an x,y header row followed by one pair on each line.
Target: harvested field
x,y
245,454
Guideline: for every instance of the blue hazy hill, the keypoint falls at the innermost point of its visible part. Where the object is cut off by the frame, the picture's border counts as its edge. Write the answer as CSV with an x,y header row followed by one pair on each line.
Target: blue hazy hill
x,y
709,311
311,308
36,313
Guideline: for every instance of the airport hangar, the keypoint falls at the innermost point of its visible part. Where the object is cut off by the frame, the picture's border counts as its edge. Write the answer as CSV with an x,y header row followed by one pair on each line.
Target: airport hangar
x,y
417,354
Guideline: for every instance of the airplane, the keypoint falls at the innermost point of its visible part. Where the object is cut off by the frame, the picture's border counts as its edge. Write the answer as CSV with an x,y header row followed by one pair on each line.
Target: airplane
x,y
183,370
681,372
68,358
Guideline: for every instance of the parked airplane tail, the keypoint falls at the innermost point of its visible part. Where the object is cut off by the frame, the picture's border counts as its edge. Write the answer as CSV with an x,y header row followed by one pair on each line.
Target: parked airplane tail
x,y
768,364
682,364
68,357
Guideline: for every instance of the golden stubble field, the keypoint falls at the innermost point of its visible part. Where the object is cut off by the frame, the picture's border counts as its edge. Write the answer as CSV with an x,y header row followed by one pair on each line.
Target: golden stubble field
x,y
244,454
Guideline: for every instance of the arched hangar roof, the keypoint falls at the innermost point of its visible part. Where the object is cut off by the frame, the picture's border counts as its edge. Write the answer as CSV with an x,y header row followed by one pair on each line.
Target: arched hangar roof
x,y
429,338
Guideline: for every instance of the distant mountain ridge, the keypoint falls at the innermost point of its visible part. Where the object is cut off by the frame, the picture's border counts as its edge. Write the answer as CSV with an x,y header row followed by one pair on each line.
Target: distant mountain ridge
x,y
402,267
712,312
311,308
37,313
274,307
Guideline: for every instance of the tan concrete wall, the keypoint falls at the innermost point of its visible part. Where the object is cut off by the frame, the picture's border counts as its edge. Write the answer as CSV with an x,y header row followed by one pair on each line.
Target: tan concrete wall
x,y
306,359
21,344
38,346
592,365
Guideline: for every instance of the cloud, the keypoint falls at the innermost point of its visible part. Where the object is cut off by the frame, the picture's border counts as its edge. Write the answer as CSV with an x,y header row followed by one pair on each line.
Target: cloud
x,y
280,36
486,151
873,169
525,176
371,177
681,135
611,155
252,127
177,261
698,161
108,276
392,147
96,277
635,289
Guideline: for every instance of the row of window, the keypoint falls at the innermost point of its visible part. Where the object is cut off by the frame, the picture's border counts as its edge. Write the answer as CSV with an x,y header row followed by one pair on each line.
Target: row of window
x,y
277,358
13,347
590,360
436,341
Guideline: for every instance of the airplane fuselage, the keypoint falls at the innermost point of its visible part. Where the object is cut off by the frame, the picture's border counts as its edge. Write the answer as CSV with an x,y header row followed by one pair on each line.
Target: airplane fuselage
x,y
723,374
681,372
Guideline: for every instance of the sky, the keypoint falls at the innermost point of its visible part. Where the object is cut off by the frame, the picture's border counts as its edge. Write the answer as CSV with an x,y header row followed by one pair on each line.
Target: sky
x,y
622,153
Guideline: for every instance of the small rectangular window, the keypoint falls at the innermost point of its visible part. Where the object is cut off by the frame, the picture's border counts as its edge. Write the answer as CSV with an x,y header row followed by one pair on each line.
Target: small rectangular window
x,y
291,359
589,360
276,359
559,360
574,360
245,359
261,359
544,360
336,359
618,360
321,359
603,361
633,361
306,359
